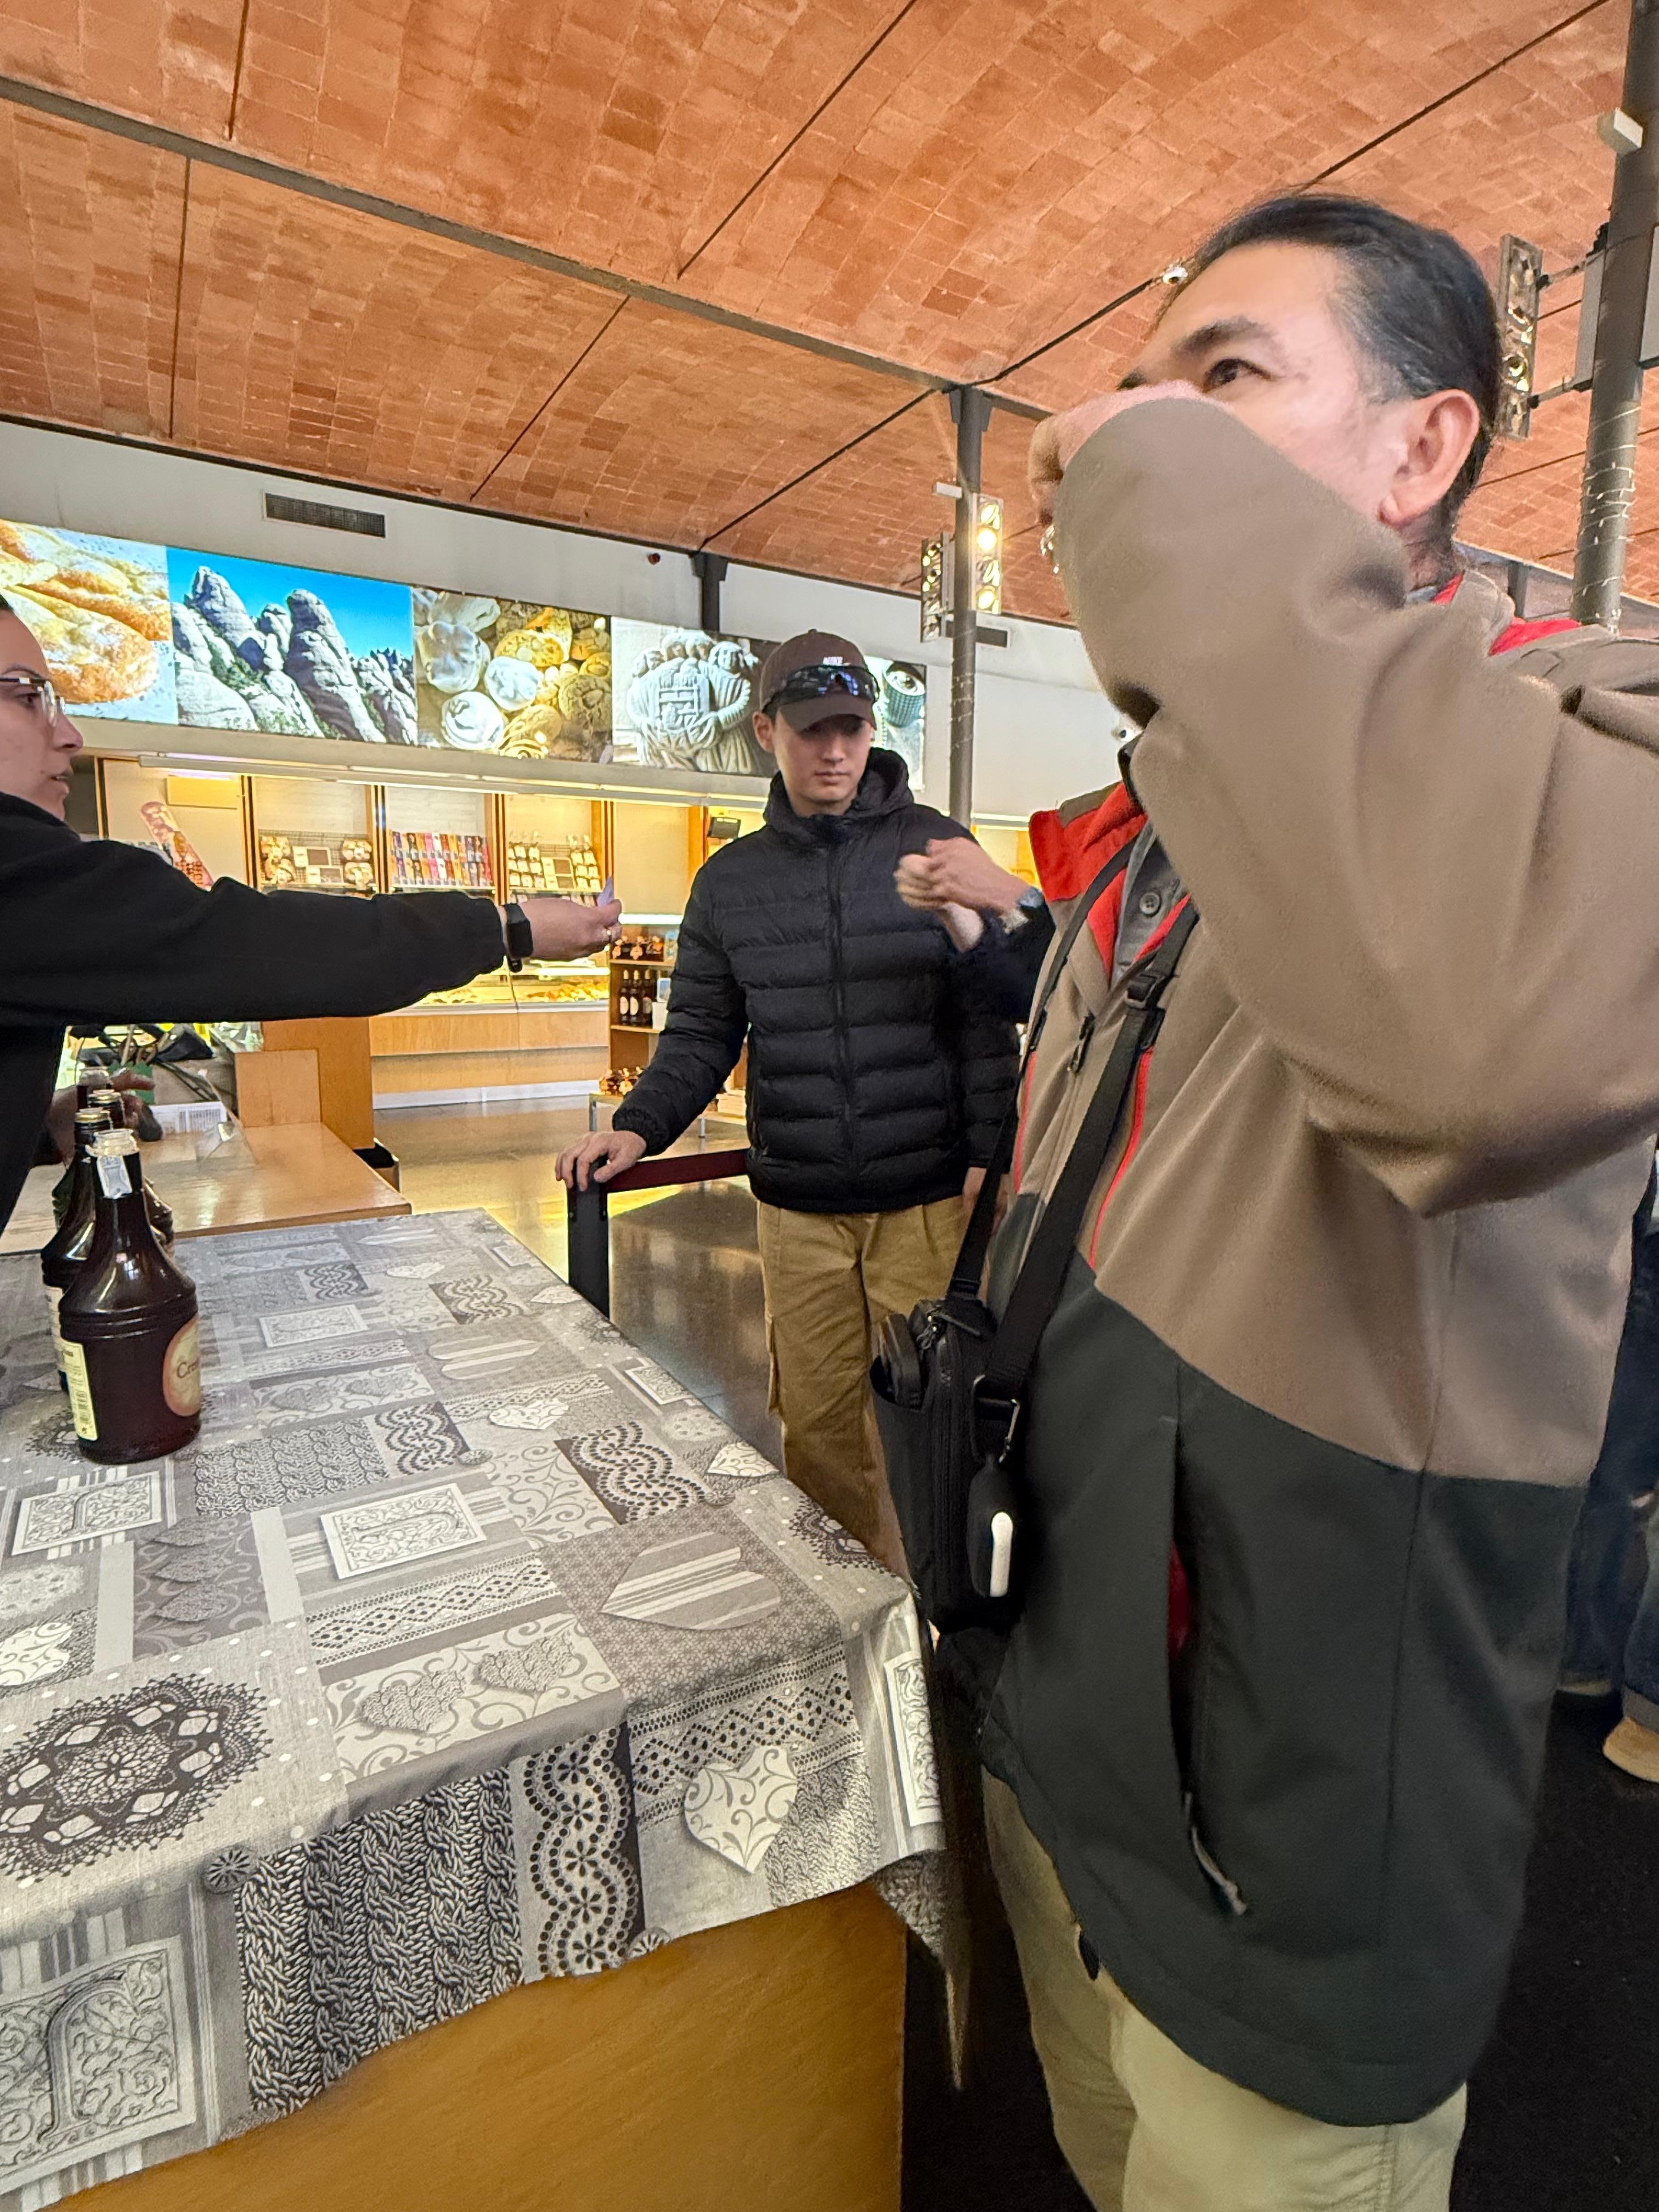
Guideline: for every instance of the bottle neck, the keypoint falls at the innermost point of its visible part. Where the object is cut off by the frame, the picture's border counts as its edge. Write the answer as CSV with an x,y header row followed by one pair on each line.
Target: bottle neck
x,y
123,1225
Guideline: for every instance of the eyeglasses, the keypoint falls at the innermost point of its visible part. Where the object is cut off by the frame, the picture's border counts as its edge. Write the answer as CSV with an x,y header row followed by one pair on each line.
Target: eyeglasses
x,y
38,693
822,681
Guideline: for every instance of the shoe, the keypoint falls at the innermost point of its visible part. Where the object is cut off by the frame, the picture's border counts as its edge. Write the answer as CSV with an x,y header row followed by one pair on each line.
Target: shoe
x,y
1584,1685
1635,1749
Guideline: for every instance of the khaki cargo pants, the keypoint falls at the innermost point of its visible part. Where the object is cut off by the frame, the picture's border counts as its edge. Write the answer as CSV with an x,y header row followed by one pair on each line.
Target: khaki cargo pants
x,y
1148,2129
832,1280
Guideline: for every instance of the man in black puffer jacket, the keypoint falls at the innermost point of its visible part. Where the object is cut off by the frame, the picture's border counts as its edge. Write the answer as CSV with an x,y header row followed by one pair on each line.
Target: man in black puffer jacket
x,y
875,1090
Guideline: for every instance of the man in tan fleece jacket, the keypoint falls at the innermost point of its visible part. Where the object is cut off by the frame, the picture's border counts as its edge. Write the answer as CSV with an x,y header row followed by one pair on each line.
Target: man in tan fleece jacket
x,y
1302,1449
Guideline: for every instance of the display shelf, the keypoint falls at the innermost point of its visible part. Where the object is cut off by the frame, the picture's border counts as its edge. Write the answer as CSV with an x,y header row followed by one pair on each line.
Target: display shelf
x,y
310,835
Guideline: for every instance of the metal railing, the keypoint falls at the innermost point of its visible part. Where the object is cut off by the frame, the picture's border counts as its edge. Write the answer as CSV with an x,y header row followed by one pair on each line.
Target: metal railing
x,y
588,1266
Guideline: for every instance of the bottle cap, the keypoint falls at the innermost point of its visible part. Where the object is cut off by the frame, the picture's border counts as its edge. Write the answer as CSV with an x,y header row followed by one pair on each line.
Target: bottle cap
x,y
115,1144
91,1117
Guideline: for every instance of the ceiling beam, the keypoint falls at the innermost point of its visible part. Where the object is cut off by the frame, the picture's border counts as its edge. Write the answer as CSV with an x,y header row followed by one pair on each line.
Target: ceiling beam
x,y
214,155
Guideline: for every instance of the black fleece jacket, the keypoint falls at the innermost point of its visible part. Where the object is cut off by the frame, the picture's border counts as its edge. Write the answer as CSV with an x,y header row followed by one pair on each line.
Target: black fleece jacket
x,y
93,930
874,1080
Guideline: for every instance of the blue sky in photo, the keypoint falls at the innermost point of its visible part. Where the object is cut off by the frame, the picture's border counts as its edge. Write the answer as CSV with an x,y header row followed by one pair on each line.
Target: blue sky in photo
x,y
370,615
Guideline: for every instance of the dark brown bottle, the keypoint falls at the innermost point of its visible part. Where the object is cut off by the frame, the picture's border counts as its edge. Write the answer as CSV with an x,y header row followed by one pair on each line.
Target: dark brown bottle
x,y
128,1322
160,1213
60,1259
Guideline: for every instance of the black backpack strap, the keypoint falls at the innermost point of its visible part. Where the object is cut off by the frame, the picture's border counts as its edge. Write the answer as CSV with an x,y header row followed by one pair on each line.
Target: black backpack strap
x,y
976,1243
1036,1291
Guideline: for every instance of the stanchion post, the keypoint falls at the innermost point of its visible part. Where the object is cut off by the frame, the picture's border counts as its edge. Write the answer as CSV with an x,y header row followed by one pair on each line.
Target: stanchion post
x,y
972,410
588,1269
1609,485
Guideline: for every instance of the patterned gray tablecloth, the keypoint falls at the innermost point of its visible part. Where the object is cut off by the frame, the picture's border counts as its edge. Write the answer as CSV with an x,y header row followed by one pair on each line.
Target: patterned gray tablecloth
x,y
465,1648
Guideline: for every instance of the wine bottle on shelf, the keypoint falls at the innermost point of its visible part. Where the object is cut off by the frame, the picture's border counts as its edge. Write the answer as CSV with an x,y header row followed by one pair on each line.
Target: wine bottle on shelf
x,y
131,1352
61,1258
160,1213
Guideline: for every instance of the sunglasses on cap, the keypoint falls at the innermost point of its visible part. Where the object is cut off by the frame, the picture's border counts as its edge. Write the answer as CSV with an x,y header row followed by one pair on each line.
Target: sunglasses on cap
x,y
38,692
822,681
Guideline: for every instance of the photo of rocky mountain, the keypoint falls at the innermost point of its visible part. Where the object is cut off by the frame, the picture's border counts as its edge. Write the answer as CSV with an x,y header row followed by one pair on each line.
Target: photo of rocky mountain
x,y
301,651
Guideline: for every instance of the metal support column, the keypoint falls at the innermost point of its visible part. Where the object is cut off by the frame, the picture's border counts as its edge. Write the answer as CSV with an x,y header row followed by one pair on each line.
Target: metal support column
x,y
1598,578
710,571
972,410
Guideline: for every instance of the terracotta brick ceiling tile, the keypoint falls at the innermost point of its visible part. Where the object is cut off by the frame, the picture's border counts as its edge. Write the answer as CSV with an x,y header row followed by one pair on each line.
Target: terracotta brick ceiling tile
x,y
170,61
618,133
89,274
868,513
671,428
1474,166
1150,132
317,341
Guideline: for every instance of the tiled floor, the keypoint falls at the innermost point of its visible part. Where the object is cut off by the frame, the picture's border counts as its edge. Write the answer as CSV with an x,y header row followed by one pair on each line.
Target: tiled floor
x,y
1561,2109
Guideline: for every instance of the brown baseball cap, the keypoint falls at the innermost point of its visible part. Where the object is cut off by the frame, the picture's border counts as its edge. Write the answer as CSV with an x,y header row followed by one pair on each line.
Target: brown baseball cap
x,y
817,657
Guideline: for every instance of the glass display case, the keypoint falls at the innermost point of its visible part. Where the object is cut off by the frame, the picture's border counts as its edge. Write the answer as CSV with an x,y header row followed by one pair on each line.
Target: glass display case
x,y
312,833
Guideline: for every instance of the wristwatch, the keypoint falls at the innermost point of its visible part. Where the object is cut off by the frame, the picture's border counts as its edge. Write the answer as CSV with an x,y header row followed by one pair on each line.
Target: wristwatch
x,y
520,938
1030,901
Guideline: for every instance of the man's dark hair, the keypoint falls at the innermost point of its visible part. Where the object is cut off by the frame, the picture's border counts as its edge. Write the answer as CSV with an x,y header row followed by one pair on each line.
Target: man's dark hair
x,y
1415,302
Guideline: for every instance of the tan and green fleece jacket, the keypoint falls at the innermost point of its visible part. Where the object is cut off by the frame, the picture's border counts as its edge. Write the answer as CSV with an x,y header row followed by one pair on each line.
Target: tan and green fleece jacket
x,y
1341,1320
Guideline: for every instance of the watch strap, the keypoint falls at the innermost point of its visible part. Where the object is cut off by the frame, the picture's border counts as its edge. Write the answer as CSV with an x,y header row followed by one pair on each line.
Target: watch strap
x,y
520,938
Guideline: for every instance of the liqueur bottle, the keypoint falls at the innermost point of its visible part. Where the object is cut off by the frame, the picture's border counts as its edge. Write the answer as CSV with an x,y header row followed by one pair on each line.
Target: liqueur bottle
x,y
128,1322
61,1258
160,1213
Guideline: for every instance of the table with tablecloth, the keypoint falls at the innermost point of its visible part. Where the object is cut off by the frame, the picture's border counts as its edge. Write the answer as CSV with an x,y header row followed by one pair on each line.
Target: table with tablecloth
x,y
464,1650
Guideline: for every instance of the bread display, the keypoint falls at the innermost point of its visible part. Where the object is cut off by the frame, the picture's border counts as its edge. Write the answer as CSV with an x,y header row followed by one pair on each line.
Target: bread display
x,y
510,677
100,611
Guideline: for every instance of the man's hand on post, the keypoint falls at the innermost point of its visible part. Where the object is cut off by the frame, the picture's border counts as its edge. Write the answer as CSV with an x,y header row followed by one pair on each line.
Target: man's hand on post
x,y
564,928
598,1159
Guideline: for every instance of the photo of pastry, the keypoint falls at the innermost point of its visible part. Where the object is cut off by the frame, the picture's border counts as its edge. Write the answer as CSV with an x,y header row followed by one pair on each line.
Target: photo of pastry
x,y
685,699
99,607
260,645
508,675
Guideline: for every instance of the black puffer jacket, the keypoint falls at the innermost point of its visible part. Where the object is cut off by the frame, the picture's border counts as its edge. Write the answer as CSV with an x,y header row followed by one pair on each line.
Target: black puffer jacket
x,y
873,1085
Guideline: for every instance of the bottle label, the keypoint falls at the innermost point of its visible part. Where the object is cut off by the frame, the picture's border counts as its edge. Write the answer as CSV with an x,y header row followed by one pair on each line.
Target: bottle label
x,y
54,1299
80,1393
181,1370
114,1179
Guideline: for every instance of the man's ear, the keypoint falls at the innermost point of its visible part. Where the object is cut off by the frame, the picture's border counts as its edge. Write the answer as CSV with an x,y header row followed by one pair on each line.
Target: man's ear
x,y
1438,432
764,731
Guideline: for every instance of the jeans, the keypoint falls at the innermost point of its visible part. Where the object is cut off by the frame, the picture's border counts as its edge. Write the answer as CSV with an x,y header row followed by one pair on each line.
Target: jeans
x,y
1613,1579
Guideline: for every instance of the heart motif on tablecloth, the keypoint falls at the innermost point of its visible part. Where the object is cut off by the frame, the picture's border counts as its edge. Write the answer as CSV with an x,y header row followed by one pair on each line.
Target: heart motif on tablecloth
x,y
532,1414
738,1810
696,1581
740,1459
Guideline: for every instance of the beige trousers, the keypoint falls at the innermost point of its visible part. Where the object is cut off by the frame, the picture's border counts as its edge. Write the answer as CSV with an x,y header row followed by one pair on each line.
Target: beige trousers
x,y
832,1280
1149,2130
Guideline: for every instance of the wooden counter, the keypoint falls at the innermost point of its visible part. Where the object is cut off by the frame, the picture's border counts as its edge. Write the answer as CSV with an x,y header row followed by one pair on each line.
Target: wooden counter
x,y
755,2063
285,1178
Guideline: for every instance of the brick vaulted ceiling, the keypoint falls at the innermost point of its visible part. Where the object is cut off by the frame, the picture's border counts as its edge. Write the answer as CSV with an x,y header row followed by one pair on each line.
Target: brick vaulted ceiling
x,y
932,190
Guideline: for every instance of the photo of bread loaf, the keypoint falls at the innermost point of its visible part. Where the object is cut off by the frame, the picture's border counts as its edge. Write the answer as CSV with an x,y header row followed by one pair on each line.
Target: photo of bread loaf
x,y
99,606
